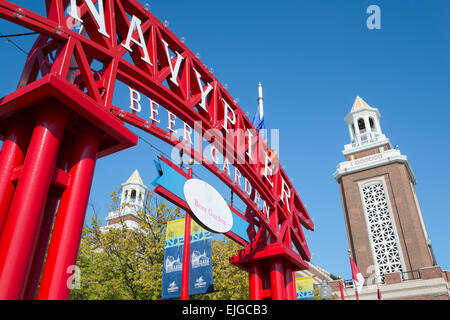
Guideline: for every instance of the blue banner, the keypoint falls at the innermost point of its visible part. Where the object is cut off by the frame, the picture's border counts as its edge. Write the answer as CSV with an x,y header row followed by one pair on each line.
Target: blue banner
x,y
200,262
200,268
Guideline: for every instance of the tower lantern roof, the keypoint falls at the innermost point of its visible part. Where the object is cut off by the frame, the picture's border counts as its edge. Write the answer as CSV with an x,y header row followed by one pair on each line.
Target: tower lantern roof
x,y
359,104
135,178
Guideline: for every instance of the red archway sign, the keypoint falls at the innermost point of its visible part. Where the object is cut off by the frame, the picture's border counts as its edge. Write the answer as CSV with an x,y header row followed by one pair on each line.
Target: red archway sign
x,y
61,119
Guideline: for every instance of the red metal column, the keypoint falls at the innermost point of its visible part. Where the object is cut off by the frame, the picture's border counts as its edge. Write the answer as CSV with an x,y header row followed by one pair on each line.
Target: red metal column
x,y
291,292
186,254
46,226
12,156
20,231
64,245
255,281
41,246
277,279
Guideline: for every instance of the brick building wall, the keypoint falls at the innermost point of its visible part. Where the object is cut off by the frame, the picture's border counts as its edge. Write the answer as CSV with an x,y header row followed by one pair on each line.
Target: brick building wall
x,y
411,235
118,220
366,153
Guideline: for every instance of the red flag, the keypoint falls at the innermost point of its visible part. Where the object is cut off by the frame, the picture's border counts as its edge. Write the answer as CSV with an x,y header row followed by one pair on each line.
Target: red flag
x,y
379,297
357,277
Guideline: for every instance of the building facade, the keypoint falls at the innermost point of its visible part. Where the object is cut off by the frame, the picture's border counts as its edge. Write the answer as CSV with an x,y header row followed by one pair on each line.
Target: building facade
x,y
385,227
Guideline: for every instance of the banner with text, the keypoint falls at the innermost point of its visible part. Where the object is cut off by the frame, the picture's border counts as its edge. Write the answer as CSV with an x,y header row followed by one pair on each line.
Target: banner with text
x,y
305,288
200,262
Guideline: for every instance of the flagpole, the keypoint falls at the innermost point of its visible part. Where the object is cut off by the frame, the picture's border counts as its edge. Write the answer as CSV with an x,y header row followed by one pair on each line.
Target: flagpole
x,y
341,287
378,288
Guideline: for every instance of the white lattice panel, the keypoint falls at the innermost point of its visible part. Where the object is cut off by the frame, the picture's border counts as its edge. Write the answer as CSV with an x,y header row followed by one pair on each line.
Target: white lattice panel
x,y
381,229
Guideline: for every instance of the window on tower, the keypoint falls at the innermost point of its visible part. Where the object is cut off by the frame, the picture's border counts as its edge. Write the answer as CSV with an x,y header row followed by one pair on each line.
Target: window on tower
x,y
361,126
133,196
372,125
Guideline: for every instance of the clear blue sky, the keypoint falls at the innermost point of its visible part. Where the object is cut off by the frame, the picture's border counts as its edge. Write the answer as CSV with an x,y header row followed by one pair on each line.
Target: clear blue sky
x,y
313,58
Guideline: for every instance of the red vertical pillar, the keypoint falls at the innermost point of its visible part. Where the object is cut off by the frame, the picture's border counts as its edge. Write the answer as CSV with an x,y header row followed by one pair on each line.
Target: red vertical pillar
x,y
63,249
186,254
277,279
12,156
24,218
291,292
255,281
41,246
46,227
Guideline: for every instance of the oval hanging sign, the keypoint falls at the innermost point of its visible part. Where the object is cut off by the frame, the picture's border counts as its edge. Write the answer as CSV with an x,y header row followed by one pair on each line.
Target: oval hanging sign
x,y
208,207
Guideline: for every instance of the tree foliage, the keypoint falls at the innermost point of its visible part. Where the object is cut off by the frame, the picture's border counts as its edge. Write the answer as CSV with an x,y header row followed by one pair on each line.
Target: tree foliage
x,y
125,264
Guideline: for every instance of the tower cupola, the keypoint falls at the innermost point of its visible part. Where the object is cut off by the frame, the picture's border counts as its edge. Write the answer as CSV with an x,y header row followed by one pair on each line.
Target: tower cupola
x,y
132,198
364,127
133,191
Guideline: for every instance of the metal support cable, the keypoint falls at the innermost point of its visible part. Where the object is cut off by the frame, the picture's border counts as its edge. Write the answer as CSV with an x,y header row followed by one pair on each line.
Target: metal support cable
x,y
7,37
17,34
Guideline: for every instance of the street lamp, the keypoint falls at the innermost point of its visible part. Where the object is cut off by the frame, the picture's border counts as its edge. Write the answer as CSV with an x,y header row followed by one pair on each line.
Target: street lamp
x,y
325,291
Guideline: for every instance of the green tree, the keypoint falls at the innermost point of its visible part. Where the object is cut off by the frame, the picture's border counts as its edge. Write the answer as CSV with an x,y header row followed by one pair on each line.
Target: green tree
x,y
124,264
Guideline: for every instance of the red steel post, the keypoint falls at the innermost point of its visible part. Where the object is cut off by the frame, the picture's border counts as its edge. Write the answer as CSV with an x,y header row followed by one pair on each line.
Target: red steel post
x,y
12,156
41,246
63,249
46,226
186,254
291,292
20,231
277,285
255,281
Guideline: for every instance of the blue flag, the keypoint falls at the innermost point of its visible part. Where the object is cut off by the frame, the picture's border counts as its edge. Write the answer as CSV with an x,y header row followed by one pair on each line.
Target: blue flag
x,y
258,122
200,262
258,119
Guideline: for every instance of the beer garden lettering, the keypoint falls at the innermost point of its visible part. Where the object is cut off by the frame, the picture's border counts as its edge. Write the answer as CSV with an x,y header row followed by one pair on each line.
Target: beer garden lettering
x,y
229,117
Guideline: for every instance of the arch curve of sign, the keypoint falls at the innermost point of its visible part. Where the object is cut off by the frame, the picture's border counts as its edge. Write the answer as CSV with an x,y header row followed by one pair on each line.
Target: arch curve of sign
x,y
146,56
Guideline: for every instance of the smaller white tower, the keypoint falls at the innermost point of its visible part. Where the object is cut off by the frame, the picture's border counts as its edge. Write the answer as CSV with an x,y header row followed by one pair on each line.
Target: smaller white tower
x,y
133,191
131,202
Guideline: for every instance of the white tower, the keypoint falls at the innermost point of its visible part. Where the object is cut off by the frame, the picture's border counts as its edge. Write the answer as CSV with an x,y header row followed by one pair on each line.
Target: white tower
x,y
133,191
131,202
